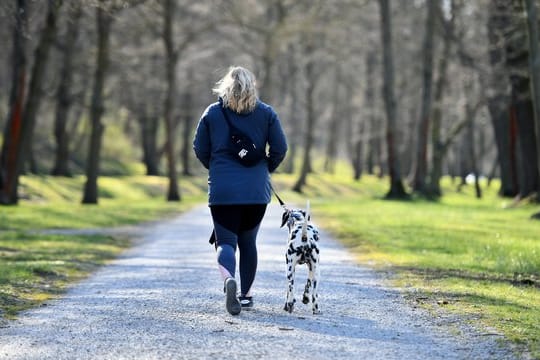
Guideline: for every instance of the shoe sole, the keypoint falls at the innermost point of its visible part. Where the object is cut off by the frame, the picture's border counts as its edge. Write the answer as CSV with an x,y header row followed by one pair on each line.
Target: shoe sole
x,y
246,306
231,303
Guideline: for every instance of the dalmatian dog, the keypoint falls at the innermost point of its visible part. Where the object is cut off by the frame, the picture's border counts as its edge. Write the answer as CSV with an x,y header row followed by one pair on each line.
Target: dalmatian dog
x,y
302,248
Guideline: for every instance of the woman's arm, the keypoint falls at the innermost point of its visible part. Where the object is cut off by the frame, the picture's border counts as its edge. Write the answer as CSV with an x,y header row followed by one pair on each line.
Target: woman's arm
x,y
277,143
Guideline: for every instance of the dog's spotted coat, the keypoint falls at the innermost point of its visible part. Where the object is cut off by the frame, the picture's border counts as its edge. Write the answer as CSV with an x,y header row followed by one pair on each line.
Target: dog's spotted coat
x,y
302,249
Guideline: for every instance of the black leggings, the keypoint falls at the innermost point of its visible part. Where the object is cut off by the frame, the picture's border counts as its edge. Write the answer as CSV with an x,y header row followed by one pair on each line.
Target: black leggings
x,y
238,225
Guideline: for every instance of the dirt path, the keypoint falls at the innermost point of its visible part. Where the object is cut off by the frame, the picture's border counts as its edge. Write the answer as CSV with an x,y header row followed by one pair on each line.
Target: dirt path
x,y
163,300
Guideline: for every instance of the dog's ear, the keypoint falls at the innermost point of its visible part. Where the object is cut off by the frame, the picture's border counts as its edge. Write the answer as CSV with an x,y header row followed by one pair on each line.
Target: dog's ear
x,y
284,218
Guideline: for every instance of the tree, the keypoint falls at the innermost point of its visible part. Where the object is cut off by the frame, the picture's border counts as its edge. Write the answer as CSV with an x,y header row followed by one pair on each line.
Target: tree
x,y
534,71
420,174
397,191
361,138
9,171
173,193
23,127
310,117
103,22
63,95
504,127
336,119
188,126
439,145
517,59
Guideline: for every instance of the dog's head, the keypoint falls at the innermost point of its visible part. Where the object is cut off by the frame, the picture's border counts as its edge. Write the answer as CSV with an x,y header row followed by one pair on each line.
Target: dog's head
x,y
292,217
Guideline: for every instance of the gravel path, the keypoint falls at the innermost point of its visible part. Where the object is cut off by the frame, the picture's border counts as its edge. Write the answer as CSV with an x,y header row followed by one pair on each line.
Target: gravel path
x,y
163,300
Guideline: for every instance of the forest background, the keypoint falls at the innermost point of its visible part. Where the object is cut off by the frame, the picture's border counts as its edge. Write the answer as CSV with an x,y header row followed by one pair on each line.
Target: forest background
x,y
416,91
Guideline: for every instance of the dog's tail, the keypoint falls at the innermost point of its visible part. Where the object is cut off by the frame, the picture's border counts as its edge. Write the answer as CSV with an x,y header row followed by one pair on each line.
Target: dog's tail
x,y
304,225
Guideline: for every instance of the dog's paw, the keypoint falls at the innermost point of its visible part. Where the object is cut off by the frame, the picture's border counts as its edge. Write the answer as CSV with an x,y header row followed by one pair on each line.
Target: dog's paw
x,y
289,306
317,312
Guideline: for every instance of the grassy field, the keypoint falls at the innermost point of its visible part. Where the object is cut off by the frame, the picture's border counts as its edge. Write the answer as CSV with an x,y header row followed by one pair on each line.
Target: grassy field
x,y
476,257
37,266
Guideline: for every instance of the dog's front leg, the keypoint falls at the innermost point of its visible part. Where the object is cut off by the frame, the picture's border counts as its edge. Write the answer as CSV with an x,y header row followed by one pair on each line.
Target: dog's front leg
x,y
291,265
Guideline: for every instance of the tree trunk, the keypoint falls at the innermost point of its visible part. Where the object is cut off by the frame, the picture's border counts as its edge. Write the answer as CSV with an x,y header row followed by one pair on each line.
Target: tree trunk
x,y
310,123
27,123
104,21
528,176
517,58
149,128
397,191
534,71
35,92
63,96
9,172
267,61
295,120
498,98
361,138
188,130
173,193
438,151
470,140
419,181
334,128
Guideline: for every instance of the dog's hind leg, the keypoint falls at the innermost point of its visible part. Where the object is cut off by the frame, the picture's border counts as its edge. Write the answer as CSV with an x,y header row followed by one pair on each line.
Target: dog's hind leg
x,y
291,265
315,276
307,289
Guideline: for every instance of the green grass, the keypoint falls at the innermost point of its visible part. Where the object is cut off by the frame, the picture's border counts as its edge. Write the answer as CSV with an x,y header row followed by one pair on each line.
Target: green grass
x,y
38,266
35,268
462,254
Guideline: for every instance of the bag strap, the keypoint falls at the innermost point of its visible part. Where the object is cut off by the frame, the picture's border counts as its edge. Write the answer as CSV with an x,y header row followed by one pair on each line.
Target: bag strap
x,y
224,112
236,129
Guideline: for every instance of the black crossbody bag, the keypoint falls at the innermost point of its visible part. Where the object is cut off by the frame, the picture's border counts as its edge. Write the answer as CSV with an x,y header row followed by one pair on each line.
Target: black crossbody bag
x,y
241,147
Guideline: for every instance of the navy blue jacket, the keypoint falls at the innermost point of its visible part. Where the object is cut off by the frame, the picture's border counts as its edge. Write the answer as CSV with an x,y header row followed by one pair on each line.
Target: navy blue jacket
x,y
229,182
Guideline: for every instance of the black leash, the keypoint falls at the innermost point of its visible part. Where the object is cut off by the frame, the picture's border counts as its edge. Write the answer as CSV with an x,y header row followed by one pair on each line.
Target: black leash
x,y
277,197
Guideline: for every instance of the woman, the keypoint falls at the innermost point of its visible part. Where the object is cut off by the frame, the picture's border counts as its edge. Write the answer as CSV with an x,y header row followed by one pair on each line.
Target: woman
x,y
238,195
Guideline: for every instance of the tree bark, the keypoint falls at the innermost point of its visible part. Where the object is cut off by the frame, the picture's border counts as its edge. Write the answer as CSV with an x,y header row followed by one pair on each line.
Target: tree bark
x,y
9,173
534,71
470,115
149,128
420,174
35,92
517,58
104,22
438,152
295,120
310,121
63,97
397,191
361,138
173,193
24,133
334,127
188,130
499,99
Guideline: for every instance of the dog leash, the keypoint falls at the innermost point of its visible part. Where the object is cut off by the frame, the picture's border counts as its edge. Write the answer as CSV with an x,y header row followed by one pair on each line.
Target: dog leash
x,y
277,197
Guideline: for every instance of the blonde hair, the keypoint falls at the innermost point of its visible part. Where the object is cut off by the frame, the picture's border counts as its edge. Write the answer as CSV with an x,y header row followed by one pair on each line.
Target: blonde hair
x,y
238,90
